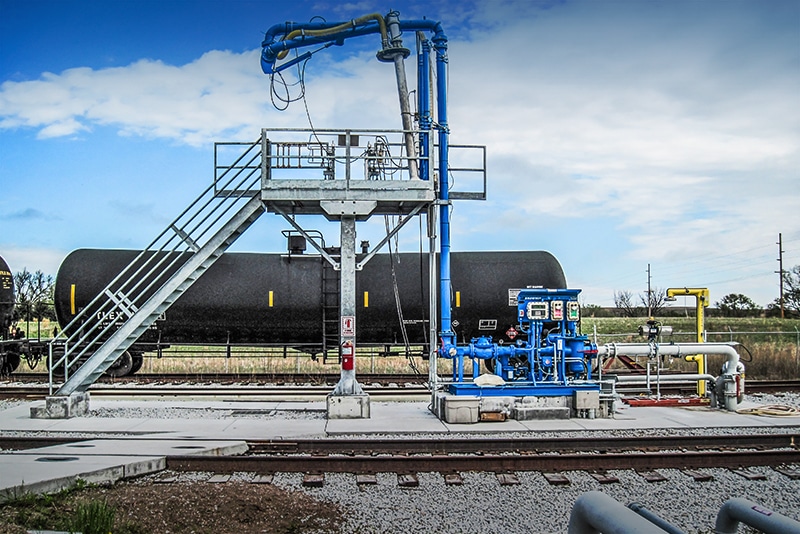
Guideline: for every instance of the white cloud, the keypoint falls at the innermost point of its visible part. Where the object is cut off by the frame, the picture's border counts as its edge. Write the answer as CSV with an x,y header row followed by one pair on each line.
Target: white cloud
x,y
221,93
46,260
678,121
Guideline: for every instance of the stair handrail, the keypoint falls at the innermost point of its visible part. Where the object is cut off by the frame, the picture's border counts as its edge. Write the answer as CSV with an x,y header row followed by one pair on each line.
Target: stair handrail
x,y
77,334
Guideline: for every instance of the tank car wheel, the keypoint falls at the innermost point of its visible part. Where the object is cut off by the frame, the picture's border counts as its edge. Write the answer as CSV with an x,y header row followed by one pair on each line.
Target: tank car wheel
x,y
33,360
122,366
138,361
9,361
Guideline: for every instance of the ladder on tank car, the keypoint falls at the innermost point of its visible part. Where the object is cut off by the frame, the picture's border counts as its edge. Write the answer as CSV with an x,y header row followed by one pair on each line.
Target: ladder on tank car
x,y
330,310
131,303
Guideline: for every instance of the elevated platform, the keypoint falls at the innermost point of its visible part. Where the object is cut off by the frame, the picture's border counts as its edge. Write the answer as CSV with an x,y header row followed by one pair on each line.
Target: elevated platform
x,y
335,198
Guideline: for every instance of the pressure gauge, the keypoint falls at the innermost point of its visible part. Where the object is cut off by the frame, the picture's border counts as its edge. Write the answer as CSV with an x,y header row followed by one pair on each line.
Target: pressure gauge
x,y
573,311
537,311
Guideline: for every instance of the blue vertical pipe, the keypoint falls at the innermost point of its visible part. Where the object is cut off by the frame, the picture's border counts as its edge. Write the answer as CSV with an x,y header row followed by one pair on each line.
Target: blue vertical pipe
x,y
273,44
440,44
423,81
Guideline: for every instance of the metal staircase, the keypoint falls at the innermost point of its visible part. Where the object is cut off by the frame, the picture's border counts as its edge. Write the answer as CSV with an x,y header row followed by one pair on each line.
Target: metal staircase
x,y
133,301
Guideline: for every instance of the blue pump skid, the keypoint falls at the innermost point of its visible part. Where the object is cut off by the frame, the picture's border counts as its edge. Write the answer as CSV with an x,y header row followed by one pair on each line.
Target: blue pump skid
x,y
555,360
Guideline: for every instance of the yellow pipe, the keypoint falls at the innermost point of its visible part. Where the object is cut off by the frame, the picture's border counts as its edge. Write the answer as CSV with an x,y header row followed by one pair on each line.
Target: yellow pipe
x,y
327,31
702,300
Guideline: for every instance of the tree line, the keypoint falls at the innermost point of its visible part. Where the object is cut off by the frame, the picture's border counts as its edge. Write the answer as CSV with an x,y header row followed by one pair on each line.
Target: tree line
x,y
33,296
732,305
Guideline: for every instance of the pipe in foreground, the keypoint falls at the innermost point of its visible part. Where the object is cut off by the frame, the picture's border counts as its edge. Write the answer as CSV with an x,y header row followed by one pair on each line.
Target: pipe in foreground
x,y
595,512
736,511
653,518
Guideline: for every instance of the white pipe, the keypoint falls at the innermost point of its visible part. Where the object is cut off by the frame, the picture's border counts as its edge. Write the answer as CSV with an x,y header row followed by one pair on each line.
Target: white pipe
x,y
673,349
736,511
635,379
595,512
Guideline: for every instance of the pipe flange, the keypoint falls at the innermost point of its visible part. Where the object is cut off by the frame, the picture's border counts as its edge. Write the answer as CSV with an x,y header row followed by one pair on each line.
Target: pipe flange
x,y
387,55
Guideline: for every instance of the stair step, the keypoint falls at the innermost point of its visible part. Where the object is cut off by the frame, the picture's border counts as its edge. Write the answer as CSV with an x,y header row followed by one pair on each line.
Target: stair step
x,y
146,314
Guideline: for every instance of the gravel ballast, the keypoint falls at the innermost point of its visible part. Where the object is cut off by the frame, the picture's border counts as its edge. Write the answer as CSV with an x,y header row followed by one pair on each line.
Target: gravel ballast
x,y
481,504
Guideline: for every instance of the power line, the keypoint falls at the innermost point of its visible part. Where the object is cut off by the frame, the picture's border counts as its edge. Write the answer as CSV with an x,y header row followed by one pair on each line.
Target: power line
x,y
780,271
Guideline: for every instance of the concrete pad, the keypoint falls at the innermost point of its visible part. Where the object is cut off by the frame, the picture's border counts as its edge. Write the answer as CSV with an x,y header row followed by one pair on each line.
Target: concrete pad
x,y
49,469
509,425
386,417
19,418
140,447
62,406
32,473
390,417
348,406
530,413
271,429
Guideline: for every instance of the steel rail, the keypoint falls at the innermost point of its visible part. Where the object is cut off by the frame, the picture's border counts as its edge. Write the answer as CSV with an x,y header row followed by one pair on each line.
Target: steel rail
x,y
277,386
759,386
523,445
40,392
482,463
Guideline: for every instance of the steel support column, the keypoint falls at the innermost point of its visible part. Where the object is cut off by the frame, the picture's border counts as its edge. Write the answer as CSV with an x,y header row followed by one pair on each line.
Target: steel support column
x,y
348,385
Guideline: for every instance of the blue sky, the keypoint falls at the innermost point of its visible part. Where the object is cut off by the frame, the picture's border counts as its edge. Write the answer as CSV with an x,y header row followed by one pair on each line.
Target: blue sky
x,y
619,133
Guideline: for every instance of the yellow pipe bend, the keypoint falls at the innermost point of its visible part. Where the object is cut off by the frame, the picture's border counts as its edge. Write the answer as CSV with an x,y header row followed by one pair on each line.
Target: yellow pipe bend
x,y
702,298
327,31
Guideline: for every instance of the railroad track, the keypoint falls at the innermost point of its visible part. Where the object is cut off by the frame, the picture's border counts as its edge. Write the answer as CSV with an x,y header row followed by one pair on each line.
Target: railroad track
x,y
236,378
409,456
280,385
551,456
252,391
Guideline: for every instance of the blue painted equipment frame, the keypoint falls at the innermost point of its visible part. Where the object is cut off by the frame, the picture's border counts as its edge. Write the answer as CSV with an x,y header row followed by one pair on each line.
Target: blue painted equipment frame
x,y
277,41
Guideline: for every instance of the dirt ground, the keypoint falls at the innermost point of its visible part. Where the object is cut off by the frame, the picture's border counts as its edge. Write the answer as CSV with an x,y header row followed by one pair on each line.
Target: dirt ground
x,y
183,508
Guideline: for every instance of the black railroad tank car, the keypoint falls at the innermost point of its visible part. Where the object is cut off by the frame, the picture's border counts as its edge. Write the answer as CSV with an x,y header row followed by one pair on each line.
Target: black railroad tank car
x,y
6,298
292,300
10,347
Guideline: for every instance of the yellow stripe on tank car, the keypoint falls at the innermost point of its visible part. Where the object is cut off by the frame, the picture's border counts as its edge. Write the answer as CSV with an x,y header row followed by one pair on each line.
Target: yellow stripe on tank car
x,y
458,299
72,299
271,298
366,299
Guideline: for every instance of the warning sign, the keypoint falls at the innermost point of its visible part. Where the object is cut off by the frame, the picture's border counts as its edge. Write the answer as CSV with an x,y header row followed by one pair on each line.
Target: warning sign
x,y
348,326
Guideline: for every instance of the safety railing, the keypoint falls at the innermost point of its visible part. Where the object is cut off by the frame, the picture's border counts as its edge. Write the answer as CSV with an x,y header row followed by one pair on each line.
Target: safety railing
x,y
297,153
194,228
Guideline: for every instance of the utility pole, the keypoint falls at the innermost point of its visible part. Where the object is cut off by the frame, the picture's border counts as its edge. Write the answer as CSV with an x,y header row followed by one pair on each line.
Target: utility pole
x,y
649,294
780,270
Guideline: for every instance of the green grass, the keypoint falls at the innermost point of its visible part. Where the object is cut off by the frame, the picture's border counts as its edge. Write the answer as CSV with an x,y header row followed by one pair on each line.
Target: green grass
x,y
774,345
93,517
59,511
69,510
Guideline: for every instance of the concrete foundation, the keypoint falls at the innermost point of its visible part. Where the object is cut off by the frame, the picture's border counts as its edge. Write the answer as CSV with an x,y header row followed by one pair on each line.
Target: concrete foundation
x,y
460,409
541,408
471,409
62,407
348,406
